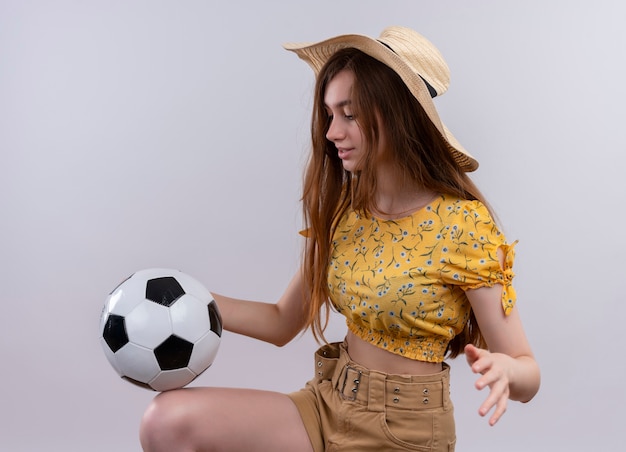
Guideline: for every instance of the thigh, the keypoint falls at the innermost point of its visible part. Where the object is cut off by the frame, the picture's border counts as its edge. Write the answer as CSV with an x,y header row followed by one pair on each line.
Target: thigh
x,y
230,419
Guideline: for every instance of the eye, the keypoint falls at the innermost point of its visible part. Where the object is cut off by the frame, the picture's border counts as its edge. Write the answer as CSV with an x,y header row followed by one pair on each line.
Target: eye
x,y
349,117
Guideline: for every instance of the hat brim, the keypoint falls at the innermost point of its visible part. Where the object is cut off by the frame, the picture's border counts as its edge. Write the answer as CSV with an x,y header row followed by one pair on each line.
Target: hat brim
x,y
316,55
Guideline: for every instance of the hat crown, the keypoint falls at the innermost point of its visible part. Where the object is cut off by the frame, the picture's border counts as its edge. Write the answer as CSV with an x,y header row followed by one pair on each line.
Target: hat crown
x,y
419,54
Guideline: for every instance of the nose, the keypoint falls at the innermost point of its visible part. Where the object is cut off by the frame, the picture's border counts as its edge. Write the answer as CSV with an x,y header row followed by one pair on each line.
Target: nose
x,y
335,131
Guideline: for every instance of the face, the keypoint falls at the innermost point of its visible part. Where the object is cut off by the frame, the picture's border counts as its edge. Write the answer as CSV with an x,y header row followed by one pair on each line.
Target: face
x,y
343,130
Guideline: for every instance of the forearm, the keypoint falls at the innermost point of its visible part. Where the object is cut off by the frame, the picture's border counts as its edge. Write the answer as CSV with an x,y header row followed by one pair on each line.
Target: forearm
x,y
276,323
254,319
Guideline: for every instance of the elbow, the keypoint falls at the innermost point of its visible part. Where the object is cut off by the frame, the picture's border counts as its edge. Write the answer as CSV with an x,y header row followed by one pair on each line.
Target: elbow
x,y
282,336
281,341
531,385
534,389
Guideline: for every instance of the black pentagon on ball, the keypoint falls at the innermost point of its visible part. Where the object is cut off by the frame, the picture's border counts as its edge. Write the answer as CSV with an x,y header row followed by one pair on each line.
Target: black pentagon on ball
x,y
165,290
114,332
216,318
138,383
173,353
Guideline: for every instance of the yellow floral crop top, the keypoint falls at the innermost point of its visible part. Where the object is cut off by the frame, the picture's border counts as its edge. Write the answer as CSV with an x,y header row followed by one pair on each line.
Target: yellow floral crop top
x,y
401,283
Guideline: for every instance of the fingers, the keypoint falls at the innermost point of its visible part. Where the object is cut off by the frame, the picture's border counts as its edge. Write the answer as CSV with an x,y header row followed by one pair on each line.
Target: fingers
x,y
493,376
498,398
500,409
478,359
472,353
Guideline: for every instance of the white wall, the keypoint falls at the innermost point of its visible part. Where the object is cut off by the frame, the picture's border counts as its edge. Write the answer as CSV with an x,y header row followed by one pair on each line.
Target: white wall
x,y
138,134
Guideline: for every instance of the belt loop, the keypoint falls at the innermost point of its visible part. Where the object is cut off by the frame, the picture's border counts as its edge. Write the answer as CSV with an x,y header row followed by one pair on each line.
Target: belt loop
x,y
376,392
326,359
445,390
340,362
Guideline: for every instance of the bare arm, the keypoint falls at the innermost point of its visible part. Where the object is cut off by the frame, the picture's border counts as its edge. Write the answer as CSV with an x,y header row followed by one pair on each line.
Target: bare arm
x,y
276,323
508,367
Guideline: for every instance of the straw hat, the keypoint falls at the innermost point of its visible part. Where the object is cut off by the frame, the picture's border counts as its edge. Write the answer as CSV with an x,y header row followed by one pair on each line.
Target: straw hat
x,y
415,59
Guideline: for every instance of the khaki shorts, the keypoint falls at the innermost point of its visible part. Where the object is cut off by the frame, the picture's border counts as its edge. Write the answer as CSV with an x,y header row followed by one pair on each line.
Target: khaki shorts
x,y
347,407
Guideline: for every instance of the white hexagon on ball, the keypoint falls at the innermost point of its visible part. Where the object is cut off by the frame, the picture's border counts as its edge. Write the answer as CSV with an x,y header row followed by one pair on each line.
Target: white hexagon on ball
x,y
169,379
190,318
204,352
137,362
148,324
125,297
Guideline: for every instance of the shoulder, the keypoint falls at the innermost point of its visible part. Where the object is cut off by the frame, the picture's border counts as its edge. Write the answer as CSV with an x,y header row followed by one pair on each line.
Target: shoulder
x,y
452,209
468,222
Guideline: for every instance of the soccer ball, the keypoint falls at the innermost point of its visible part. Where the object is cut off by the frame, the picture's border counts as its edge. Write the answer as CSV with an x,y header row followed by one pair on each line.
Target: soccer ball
x,y
160,329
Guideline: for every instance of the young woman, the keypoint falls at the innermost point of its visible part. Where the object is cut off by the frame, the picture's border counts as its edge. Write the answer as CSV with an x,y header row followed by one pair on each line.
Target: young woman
x,y
400,242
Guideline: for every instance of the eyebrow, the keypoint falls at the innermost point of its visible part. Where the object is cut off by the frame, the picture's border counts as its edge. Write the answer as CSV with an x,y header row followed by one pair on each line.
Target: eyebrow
x,y
340,104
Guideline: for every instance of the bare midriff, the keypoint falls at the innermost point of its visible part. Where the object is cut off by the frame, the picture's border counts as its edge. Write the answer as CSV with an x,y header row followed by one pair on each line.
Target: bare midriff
x,y
375,358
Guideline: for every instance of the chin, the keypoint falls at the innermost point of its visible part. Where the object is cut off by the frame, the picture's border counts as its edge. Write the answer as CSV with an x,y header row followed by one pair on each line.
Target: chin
x,y
349,166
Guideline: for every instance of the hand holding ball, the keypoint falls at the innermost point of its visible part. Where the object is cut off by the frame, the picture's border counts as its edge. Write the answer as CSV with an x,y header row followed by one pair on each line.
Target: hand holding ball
x,y
160,329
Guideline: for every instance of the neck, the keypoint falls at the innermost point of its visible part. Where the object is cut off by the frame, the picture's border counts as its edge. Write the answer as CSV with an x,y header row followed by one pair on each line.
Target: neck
x,y
391,209
396,197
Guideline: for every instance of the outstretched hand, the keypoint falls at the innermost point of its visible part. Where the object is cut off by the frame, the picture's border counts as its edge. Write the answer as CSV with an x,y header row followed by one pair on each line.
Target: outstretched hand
x,y
494,369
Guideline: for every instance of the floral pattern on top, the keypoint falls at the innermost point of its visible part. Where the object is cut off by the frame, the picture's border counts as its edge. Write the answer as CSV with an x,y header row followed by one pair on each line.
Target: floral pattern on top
x,y
401,283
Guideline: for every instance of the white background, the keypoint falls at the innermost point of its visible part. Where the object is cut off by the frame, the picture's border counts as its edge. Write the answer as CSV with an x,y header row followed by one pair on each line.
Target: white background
x,y
139,134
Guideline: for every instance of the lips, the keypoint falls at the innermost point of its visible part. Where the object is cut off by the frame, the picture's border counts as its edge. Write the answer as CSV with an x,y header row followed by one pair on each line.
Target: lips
x,y
343,153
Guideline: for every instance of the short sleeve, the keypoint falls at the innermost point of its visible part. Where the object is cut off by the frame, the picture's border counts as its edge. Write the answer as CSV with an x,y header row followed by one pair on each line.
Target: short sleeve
x,y
469,255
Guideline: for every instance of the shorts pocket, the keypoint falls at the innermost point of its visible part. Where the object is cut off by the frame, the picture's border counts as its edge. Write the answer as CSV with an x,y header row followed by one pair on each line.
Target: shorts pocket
x,y
410,429
420,430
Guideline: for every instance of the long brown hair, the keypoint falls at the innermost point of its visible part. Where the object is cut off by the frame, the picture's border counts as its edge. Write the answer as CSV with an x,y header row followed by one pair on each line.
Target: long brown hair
x,y
380,99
